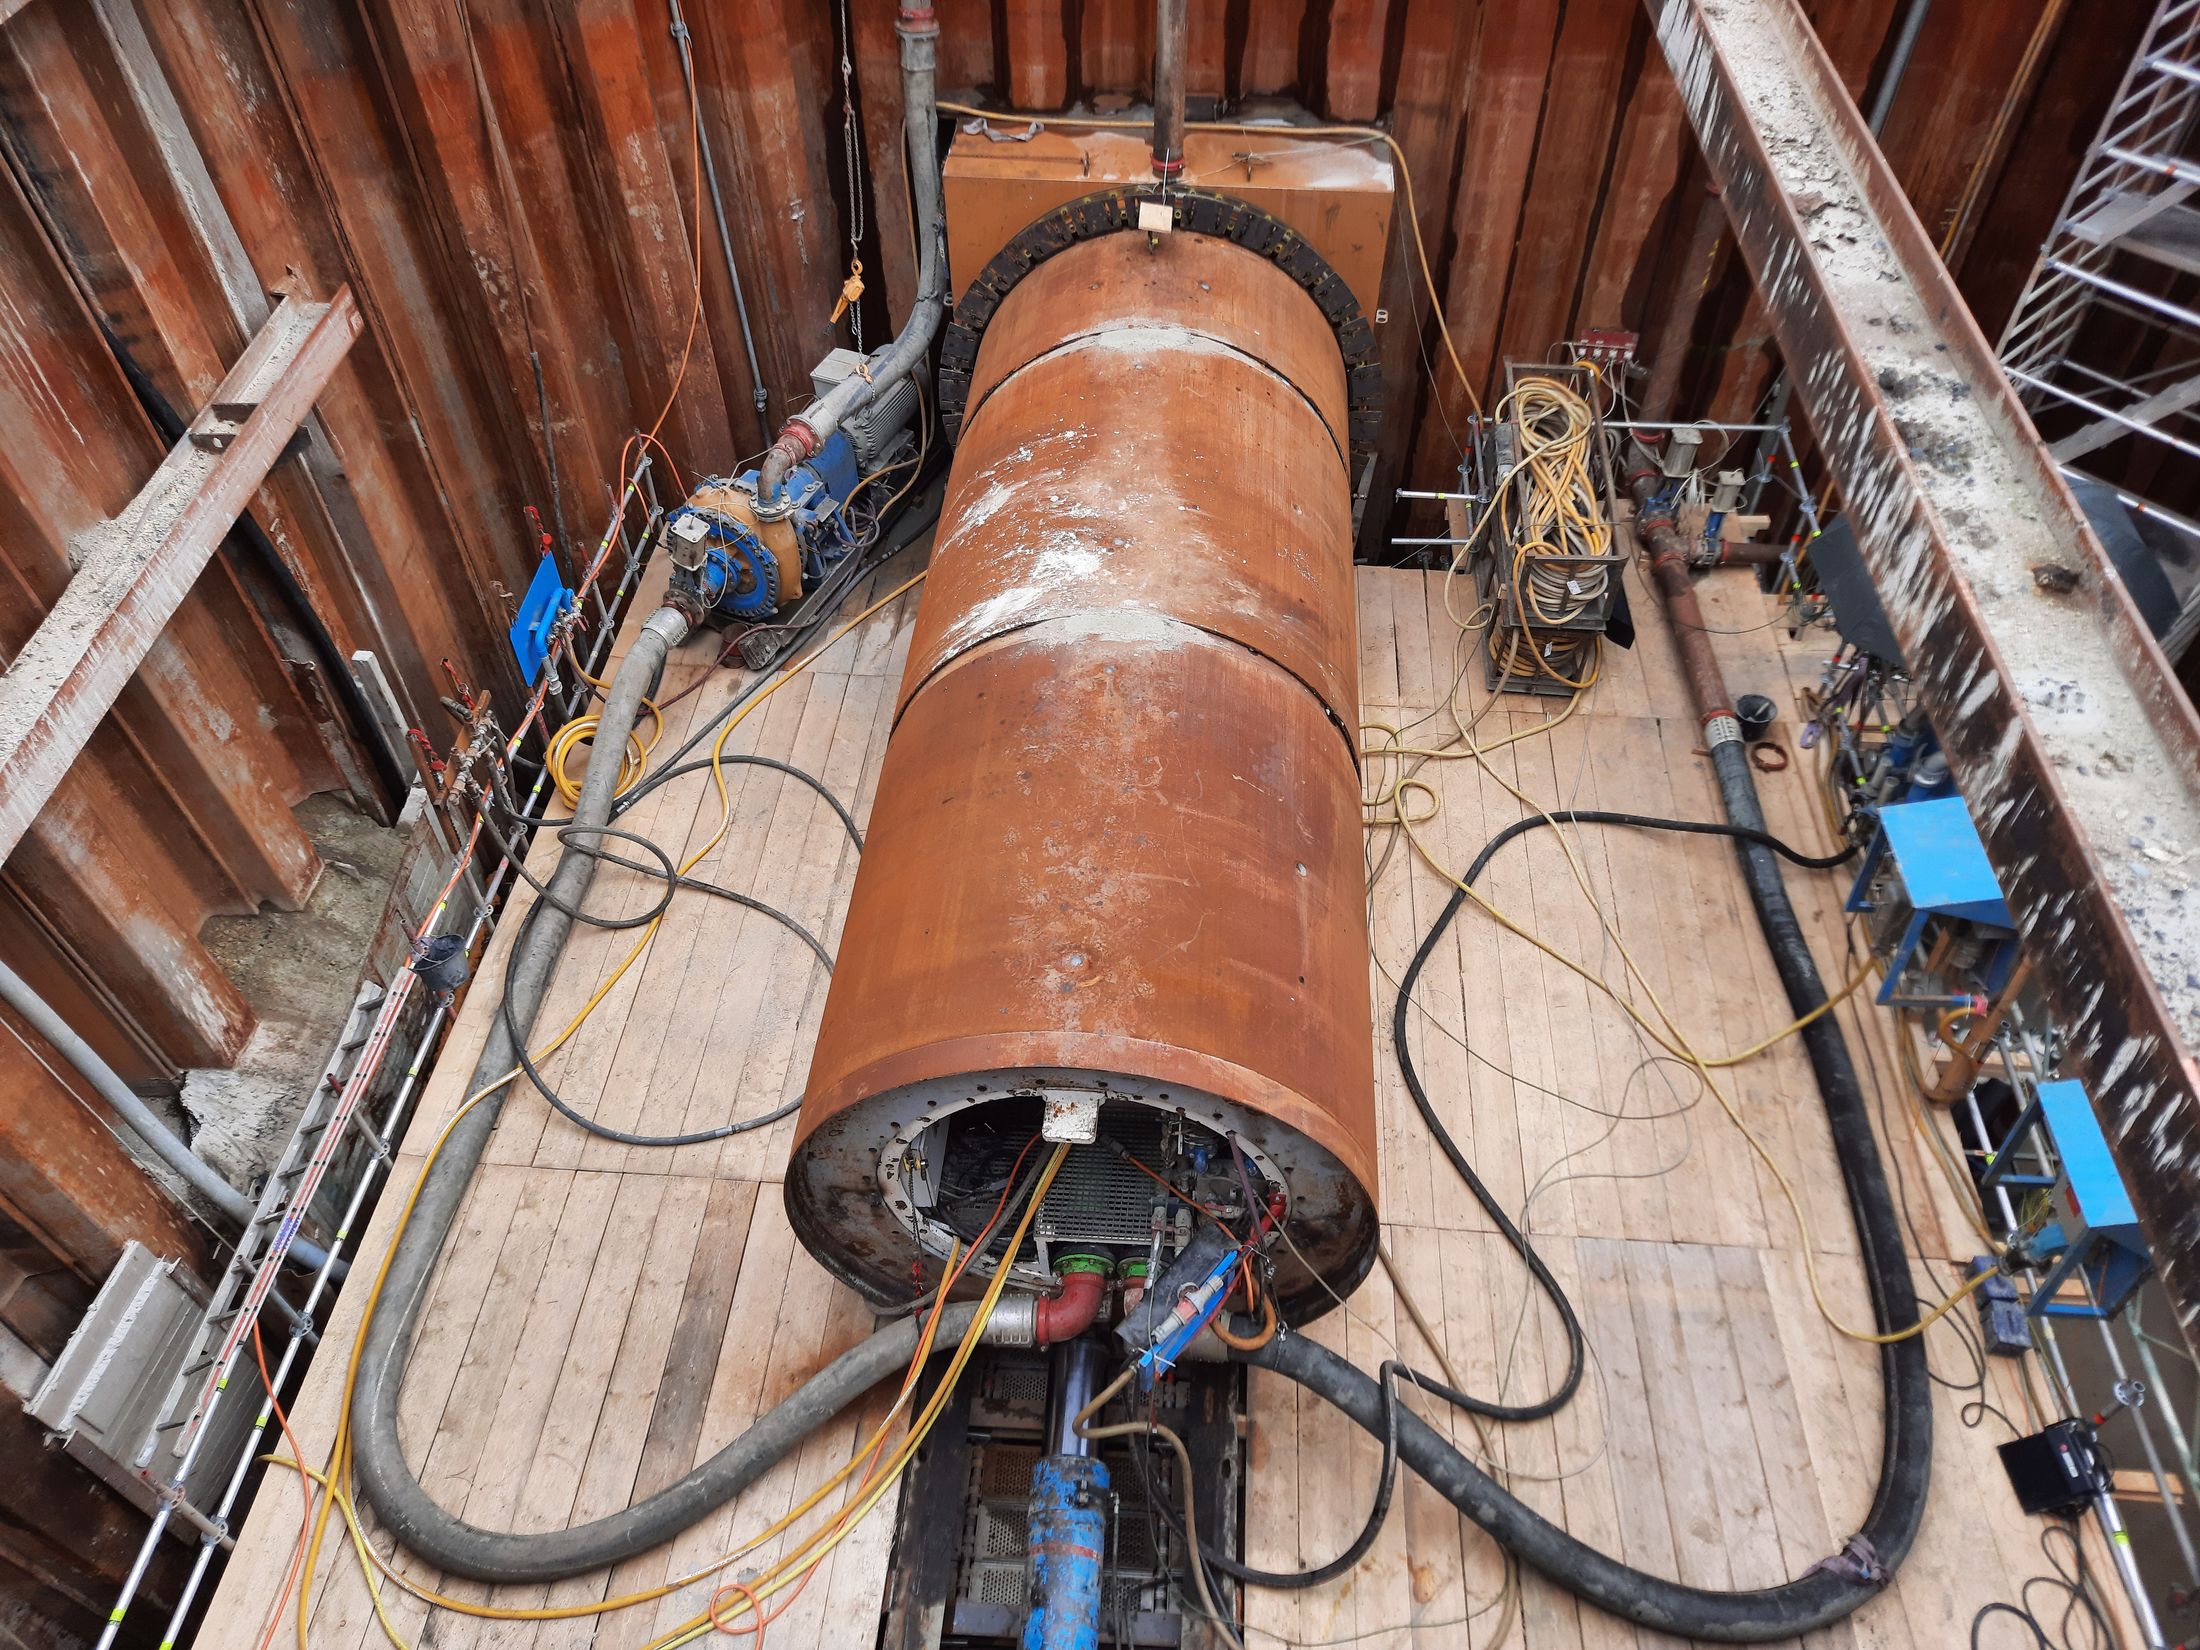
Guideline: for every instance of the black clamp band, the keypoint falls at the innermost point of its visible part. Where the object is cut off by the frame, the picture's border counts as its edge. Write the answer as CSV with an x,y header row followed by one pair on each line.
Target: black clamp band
x,y
1200,213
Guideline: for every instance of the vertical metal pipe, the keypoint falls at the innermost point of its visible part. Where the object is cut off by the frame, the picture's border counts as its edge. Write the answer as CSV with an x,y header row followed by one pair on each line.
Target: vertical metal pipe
x,y
2135,1404
2179,1440
1171,33
2104,1505
1075,1370
1069,1543
718,211
1913,24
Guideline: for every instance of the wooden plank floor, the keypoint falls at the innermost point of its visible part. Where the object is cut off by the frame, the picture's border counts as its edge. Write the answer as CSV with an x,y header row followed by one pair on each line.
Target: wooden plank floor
x,y
609,1315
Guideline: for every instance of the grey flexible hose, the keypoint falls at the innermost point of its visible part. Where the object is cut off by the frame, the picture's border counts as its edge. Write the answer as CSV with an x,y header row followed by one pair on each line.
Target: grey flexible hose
x,y
905,356
387,1480
144,1122
381,1459
508,1557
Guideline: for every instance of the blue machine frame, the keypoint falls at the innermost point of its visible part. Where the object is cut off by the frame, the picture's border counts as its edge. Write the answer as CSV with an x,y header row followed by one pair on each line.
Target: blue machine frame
x,y
1945,874
2094,1231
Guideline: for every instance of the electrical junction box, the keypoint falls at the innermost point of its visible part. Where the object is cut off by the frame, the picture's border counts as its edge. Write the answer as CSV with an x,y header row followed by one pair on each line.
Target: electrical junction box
x,y
2001,1319
2056,1470
877,429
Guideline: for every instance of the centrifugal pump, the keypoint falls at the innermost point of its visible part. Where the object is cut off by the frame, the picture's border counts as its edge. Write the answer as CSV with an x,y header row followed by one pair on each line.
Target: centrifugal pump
x,y
1111,893
741,558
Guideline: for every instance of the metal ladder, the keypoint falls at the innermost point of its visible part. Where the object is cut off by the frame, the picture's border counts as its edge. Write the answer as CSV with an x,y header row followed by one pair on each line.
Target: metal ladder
x,y
2134,207
165,1456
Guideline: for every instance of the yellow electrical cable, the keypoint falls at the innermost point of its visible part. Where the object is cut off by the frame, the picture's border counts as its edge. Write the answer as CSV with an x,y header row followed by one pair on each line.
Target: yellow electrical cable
x,y
1461,748
337,1468
1366,134
580,733
373,1561
788,1569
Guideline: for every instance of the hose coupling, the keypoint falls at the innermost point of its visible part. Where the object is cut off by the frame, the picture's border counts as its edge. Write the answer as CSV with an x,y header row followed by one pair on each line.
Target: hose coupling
x,y
1014,1321
1721,727
919,30
798,443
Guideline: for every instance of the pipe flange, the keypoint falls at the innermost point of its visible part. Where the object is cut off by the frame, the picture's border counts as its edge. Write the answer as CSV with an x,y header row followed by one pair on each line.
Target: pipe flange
x,y
1199,212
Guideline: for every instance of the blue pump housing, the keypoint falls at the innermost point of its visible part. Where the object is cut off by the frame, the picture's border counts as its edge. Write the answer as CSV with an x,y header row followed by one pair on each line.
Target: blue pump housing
x,y
738,578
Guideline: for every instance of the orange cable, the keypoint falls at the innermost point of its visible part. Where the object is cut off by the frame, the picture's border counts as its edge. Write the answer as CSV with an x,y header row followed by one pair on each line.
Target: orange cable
x,y
305,1488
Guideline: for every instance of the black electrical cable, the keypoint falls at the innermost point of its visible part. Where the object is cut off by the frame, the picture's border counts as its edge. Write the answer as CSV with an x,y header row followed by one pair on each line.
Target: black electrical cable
x,y
1832,1588
730,759
1987,1613
569,836
1393,1370
1295,1580
572,1114
1401,1034
2076,1586
674,881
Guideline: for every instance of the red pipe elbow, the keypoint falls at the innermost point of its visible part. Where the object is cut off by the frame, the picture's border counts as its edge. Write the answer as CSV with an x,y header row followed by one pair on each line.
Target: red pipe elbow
x,y
1069,1314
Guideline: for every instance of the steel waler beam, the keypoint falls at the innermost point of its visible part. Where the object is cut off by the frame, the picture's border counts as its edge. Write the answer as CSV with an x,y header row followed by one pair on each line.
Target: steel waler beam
x,y
134,571
2069,735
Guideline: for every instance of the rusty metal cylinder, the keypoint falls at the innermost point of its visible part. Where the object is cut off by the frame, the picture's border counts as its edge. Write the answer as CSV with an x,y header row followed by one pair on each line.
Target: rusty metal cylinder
x,y
1115,852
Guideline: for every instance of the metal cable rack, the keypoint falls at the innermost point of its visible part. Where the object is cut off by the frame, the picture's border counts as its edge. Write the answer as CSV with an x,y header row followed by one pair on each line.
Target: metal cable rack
x,y
1521,624
198,1449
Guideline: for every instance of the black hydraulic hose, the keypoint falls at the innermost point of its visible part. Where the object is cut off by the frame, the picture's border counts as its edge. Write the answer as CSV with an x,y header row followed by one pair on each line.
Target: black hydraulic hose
x,y
1781,1612
1401,1024
1840,1583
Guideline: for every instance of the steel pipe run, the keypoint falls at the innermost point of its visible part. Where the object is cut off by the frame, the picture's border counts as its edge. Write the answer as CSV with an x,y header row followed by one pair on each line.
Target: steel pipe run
x,y
1115,854
1171,45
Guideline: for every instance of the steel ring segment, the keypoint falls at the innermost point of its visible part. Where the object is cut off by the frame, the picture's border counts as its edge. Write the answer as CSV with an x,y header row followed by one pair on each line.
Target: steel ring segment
x,y
1198,213
1122,848
1174,475
1206,293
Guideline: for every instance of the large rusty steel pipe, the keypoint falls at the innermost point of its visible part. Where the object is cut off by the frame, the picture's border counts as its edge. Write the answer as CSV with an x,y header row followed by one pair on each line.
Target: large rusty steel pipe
x,y
1116,843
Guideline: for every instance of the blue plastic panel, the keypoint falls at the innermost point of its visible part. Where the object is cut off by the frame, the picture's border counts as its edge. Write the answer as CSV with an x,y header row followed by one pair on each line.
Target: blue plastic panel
x,y
2103,1205
1944,866
545,602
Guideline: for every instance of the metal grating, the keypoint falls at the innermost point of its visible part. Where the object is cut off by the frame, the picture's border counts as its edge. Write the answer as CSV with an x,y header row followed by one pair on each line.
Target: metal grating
x,y
1097,1198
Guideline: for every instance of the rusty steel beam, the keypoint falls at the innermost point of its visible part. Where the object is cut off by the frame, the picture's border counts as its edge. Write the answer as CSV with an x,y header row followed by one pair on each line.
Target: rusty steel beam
x,y
2072,741
133,572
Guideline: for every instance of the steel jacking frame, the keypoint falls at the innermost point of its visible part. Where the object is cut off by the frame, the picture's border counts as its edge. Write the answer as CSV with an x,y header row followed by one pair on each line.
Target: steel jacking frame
x,y
2058,713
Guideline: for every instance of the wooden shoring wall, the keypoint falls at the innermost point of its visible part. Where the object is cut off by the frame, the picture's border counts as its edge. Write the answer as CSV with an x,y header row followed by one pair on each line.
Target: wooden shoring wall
x,y
511,188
